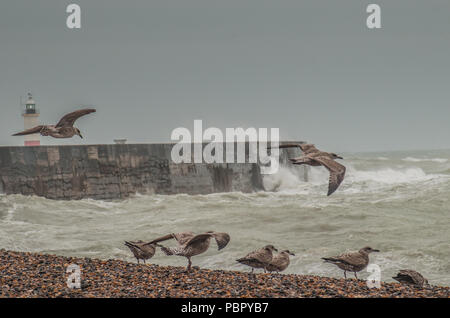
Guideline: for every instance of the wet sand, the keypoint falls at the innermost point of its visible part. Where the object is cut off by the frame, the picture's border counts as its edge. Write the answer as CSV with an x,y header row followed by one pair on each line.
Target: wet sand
x,y
41,275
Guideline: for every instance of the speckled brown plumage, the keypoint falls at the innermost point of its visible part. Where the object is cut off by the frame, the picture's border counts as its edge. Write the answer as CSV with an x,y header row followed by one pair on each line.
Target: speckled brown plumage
x,y
353,262
279,262
411,277
190,244
259,258
63,129
32,275
314,157
141,250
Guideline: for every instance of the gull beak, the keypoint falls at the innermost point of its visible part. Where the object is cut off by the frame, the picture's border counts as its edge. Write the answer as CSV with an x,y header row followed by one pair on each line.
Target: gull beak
x,y
292,254
80,136
375,250
339,157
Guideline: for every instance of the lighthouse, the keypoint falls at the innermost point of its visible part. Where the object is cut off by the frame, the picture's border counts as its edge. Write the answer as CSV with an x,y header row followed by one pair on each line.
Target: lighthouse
x,y
30,120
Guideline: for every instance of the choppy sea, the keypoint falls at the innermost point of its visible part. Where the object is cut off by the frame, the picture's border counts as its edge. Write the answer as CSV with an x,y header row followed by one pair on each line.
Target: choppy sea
x,y
397,202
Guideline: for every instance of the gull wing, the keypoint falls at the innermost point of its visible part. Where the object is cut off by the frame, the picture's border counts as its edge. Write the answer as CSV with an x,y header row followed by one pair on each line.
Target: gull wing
x,y
354,259
181,238
69,119
300,160
305,148
222,239
162,238
308,148
286,146
199,238
30,131
260,255
139,244
337,172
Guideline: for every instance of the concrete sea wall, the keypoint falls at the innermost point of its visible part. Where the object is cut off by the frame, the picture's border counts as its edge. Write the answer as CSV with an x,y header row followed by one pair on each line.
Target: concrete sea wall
x,y
117,171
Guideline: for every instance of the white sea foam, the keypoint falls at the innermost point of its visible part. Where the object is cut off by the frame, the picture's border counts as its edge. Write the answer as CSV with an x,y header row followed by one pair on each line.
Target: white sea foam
x,y
389,175
10,214
412,159
286,181
379,204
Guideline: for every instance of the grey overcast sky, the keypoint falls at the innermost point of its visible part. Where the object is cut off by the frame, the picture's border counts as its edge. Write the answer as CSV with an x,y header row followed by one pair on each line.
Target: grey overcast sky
x,y
311,68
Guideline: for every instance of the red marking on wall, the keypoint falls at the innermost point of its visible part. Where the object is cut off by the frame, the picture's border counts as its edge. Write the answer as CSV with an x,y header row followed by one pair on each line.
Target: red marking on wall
x,y
32,143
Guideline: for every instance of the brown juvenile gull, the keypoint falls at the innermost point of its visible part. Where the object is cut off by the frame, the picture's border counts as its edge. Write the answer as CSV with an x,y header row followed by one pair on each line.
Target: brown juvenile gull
x,y
141,250
314,157
352,262
280,261
190,244
63,129
259,258
411,277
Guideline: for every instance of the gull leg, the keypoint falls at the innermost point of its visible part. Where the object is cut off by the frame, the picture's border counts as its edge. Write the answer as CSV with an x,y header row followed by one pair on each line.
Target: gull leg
x,y
355,275
137,260
189,264
345,274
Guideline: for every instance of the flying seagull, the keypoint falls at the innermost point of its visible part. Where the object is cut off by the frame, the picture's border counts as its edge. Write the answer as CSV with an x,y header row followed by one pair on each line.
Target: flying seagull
x,y
280,261
190,244
314,157
353,262
141,250
63,129
408,276
259,258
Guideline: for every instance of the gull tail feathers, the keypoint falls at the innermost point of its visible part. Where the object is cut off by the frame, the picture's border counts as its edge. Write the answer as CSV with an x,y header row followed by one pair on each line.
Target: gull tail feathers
x,y
166,250
330,260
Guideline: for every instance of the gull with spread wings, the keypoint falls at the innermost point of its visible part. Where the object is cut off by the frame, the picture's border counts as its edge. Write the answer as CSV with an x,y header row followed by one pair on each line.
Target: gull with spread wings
x,y
190,244
63,129
314,157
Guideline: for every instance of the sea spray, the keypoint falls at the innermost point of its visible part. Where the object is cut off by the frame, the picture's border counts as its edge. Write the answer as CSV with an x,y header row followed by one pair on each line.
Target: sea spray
x,y
400,207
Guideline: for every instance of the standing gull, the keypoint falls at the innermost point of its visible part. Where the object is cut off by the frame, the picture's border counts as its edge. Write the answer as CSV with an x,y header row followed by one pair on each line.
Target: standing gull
x,y
314,157
352,262
410,277
190,244
141,250
63,129
259,258
280,261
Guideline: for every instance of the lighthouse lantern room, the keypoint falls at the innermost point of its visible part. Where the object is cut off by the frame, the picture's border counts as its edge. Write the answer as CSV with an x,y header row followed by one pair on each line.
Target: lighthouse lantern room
x,y
30,120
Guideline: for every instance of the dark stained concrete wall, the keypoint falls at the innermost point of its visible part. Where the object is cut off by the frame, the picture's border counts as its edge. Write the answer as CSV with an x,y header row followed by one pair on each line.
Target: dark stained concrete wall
x,y
116,171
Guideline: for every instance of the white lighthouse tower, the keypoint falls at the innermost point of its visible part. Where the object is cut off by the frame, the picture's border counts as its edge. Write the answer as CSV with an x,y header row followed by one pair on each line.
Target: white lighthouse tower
x,y
30,120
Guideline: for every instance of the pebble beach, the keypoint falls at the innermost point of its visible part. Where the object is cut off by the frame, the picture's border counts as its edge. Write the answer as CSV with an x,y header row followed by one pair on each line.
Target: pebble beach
x,y
33,275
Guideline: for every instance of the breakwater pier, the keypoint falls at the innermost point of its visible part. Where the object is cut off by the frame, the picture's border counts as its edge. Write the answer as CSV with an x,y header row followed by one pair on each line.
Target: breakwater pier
x,y
116,171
